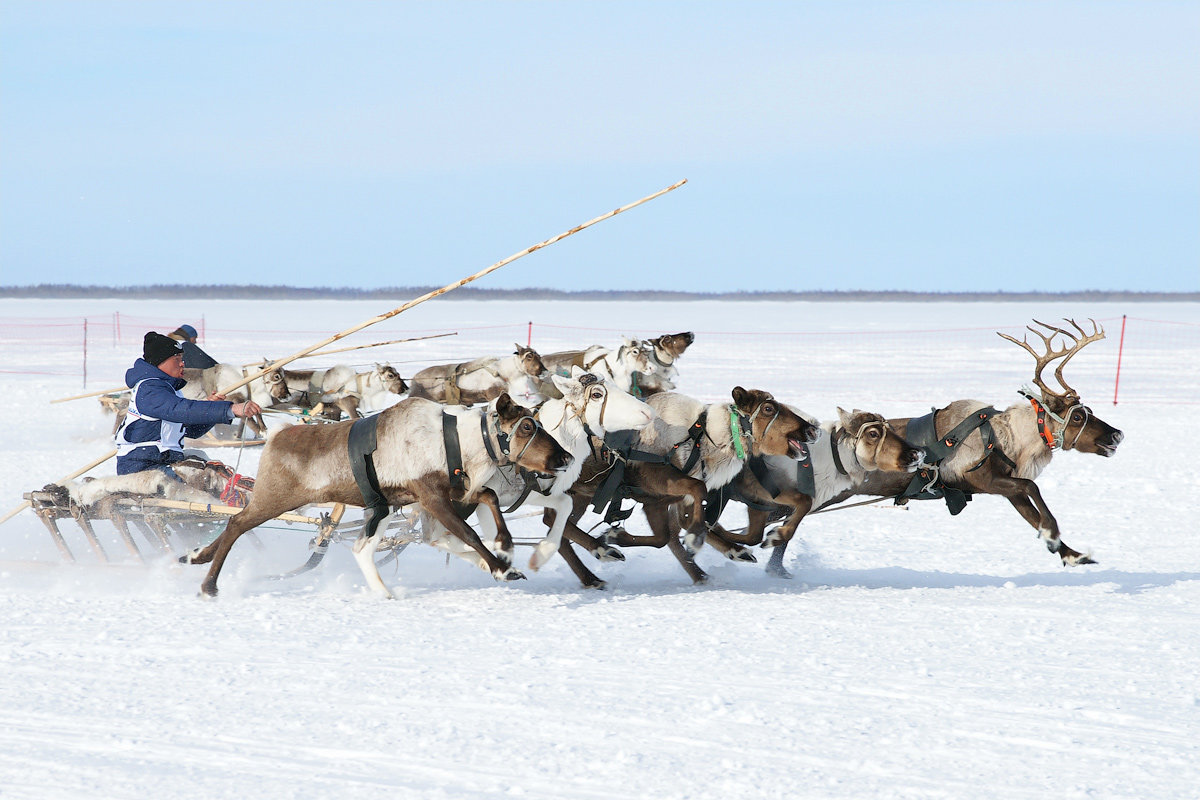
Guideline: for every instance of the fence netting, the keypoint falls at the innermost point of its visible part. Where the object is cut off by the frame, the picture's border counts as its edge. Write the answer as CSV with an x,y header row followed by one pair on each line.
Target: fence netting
x,y
1137,363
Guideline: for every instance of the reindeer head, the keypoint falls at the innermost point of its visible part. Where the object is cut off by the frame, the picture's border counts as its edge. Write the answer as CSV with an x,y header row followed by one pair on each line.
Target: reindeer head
x,y
601,404
1072,424
636,356
775,429
877,446
276,383
529,445
670,346
391,379
530,361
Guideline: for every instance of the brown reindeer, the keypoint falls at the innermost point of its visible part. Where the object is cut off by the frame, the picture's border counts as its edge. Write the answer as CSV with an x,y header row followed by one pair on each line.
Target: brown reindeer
x,y
701,447
775,486
305,464
1005,456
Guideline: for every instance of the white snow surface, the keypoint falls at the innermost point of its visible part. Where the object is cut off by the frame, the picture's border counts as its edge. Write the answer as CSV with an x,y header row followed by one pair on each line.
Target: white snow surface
x,y
914,655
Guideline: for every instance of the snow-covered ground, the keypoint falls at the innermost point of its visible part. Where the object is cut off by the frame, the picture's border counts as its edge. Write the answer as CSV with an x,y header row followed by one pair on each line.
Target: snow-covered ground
x,y
915,654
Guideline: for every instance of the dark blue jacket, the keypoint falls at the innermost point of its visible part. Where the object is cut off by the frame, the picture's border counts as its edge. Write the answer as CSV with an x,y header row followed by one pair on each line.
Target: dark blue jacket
x,y
157,398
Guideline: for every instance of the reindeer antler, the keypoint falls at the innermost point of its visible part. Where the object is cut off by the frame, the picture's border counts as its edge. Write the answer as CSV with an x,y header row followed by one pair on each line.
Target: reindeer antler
x,y
1078,343
1052,354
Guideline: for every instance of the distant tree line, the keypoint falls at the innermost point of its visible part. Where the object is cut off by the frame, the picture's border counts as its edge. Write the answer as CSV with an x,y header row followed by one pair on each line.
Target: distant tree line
x,y
402,293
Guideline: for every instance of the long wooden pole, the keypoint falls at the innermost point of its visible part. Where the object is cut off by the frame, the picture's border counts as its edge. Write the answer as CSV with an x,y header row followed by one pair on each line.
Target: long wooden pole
x,y
366,346
448,288
116,390
427,296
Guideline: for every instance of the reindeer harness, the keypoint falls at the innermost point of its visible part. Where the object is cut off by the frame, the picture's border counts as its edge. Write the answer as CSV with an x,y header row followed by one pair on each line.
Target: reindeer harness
x,y
361,446
1055,441
926,483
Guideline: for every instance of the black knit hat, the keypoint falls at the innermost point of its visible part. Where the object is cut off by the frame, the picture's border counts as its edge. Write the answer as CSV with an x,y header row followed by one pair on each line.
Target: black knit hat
x,y
157,348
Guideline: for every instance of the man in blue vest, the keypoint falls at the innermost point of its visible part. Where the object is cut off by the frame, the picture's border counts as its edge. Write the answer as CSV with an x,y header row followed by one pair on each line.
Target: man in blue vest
x,y
159,417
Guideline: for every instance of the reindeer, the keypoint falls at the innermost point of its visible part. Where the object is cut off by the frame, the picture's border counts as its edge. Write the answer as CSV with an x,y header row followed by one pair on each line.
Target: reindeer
x,y
700,448
589,407
339,386
860,442
483,379
1006,451
623,366
305,464
663,351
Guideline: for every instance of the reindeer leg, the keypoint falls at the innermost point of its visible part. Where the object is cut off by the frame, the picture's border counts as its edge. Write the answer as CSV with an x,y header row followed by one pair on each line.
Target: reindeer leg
x,y
216,553
440,508
558,509
585,575
775,567
1049,533
800,504
657,517
494,526
600,550
364,554
727,547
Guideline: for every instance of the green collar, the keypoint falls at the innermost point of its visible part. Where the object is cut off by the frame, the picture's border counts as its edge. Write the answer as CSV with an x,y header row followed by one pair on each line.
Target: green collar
x,y
735,431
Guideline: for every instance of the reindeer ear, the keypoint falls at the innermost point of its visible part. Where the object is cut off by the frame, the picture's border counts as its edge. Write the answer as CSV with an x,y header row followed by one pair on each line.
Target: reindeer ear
x,y
518,348
843,417
741,398
577,370
504,404
564,385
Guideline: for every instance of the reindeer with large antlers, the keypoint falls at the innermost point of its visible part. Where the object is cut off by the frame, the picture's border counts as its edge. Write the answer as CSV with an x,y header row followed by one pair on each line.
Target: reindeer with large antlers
x,y
973,449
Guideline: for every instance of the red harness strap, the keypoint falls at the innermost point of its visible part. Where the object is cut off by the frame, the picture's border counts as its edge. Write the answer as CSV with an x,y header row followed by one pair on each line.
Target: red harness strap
x,y
1044,432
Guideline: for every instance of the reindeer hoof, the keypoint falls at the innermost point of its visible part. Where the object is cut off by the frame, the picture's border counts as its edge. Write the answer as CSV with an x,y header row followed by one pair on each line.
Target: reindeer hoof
x,y
779,571
741,554
700,579
774,539
608,553
1078,559
597,584
191,557
692,542
510,574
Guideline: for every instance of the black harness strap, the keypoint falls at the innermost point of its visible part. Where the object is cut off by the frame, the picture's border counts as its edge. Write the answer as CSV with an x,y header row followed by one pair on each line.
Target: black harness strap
x,y
926,483
806,480
362,443
618,449
454,463
694,434
834,439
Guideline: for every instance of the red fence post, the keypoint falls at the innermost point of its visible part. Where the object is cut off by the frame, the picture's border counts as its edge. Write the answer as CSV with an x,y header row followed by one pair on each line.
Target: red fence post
x,y
85,352
1120,351
529,338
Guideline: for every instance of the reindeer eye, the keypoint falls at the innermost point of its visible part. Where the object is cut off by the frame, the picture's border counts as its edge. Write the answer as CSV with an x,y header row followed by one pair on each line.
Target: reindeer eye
x,y
597,394
872,434
526,427
1077,416
768,408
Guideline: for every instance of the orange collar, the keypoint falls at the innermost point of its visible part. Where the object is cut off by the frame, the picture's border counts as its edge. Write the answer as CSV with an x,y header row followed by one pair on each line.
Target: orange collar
x,y
1044,432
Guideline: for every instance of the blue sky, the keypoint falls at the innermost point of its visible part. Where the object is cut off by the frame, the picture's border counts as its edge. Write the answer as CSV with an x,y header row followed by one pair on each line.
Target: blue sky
x,y
952,146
